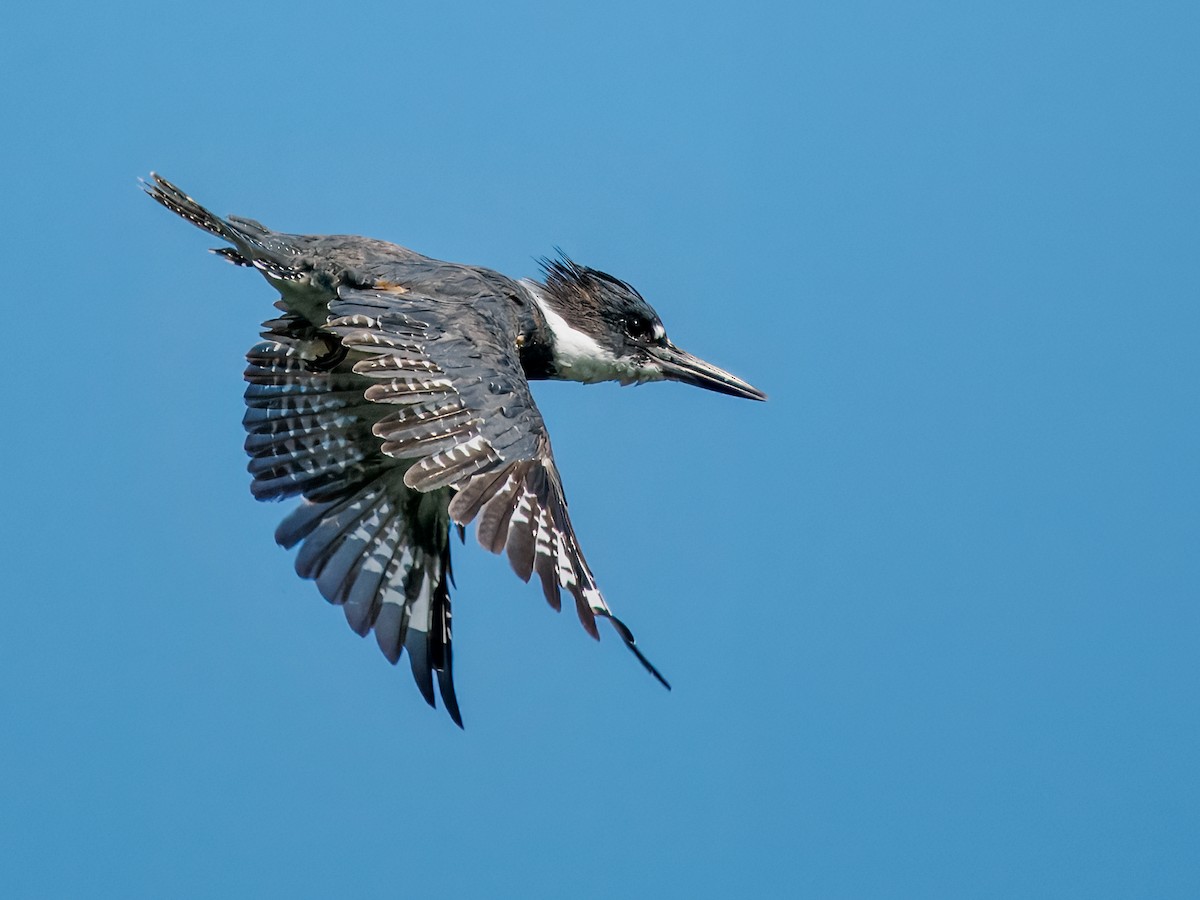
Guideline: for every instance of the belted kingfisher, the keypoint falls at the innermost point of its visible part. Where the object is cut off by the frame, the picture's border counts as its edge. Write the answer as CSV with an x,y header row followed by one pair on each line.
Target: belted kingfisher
x,y
392,396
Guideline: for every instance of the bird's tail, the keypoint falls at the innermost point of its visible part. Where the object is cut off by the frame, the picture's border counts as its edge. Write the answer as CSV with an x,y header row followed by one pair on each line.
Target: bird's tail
x,y
253,243
181,204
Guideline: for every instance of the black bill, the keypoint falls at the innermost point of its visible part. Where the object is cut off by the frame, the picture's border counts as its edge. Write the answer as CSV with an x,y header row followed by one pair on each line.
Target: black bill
x,y
679,365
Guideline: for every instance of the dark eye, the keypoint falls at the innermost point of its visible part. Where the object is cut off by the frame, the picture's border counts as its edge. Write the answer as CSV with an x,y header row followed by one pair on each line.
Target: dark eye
x,y
639,327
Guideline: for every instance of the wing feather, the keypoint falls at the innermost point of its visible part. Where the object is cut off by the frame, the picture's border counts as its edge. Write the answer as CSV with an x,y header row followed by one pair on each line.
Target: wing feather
x,y
372,545
468,419
364,597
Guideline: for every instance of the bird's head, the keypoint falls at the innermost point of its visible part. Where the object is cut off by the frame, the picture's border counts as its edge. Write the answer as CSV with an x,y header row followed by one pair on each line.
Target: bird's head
x,y
605,331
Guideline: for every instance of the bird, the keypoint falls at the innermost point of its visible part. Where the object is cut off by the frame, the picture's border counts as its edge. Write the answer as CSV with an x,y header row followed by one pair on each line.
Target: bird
x,y
391,395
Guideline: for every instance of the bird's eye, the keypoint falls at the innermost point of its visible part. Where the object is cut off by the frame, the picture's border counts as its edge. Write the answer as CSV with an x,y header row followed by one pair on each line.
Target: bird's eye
x,y
639,328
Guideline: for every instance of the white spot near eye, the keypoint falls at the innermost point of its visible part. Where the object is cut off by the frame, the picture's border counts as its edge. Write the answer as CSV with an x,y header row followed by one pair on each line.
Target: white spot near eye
x,y
659,331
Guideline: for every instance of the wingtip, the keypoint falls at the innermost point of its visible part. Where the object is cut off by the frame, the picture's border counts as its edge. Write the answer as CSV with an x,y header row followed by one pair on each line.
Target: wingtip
x,y
445,680
650,666
452,710
627,637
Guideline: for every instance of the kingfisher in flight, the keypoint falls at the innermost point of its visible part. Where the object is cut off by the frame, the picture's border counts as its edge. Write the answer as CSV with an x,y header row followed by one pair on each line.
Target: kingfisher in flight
x,y
392,397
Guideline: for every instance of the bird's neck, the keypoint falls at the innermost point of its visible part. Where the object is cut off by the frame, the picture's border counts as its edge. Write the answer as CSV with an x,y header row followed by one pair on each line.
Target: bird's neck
x,y
535,340
570,354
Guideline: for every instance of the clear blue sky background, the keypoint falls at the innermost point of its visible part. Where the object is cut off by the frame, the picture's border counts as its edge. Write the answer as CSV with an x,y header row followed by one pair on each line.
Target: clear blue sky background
x,y
930,613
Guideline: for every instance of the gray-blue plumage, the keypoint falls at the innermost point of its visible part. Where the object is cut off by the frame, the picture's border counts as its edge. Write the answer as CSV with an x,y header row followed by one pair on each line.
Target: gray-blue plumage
x,y
392,396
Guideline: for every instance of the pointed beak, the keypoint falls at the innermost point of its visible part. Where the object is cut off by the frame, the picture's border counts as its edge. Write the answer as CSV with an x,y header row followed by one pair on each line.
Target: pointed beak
x,y
679,365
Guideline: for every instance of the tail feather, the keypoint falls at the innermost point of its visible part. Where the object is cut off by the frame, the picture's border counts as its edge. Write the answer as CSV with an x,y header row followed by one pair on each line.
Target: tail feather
x,y
255,244
182,205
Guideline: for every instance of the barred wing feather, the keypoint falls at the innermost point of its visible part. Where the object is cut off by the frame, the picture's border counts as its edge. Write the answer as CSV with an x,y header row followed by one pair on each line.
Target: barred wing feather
x,y
373,545
464,412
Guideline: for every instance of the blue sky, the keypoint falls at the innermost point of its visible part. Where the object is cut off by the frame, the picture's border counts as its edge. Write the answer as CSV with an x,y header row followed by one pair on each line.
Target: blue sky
x,y
930,613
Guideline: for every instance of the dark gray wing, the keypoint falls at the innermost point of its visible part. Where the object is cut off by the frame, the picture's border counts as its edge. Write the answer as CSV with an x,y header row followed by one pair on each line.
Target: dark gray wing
x,y
419,414
449,370
374,546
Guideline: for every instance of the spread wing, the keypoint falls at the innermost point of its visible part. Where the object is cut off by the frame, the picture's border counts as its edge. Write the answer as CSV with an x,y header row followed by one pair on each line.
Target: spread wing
x,y
374,546
449,371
